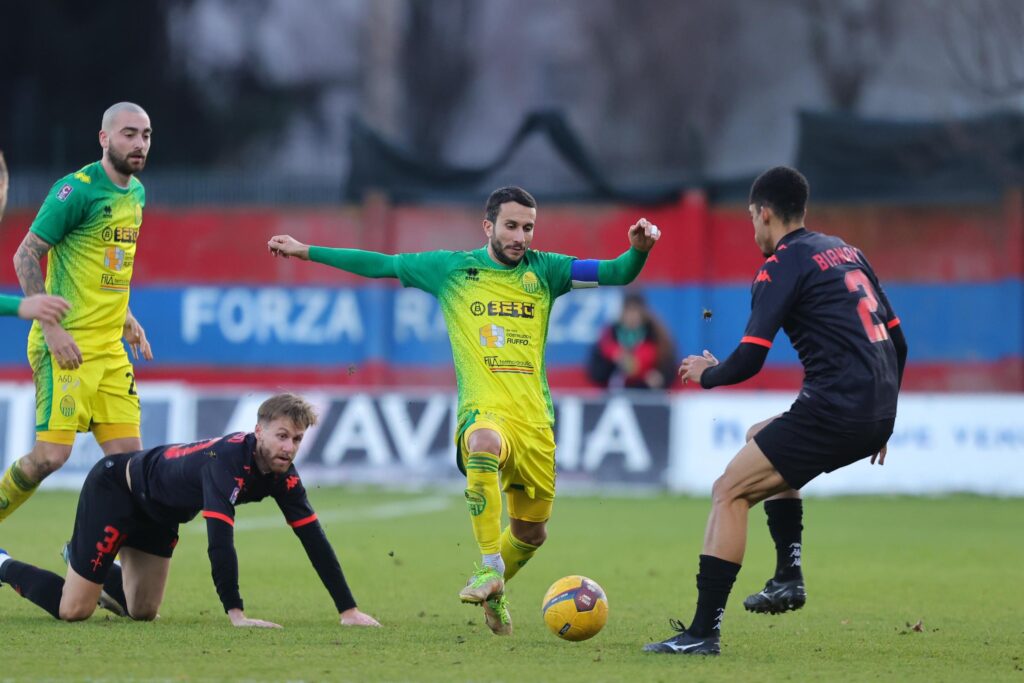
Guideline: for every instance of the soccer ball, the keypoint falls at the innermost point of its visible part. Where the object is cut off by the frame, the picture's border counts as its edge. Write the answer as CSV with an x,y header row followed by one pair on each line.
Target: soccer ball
x,y
575,608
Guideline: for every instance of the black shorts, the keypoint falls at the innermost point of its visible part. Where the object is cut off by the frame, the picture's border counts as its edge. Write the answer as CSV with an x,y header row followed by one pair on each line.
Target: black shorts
x,y
108,517
801,445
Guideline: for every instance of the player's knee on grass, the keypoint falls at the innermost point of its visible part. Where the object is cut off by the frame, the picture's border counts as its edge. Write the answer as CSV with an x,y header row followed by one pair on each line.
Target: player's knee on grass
x,y
484,441
144,612
76,610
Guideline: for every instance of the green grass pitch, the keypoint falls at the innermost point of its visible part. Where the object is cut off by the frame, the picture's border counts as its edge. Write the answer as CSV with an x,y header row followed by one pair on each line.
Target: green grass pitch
x,y
874,566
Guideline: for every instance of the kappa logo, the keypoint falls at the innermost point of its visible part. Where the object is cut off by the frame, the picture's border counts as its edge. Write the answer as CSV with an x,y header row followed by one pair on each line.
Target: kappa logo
x,y
763,276
291,482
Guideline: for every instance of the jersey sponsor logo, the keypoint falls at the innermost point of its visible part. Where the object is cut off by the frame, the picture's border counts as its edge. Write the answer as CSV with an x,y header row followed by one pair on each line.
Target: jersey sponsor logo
x,y
763,276
114,284
530,282
504,366
121,235
510,309
83,177
67,406
492,336
62,193
477,308
113,258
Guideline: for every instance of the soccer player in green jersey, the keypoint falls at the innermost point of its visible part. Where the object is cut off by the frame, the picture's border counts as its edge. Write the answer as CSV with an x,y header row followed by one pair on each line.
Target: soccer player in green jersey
x,y
496,301
87,228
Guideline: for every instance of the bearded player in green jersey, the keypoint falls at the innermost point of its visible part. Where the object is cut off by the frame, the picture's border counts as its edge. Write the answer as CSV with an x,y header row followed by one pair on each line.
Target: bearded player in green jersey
x,y
87,228
496,302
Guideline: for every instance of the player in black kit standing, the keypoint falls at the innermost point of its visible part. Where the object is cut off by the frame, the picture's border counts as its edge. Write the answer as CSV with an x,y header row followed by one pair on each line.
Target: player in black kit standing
x,y
826,297
132,503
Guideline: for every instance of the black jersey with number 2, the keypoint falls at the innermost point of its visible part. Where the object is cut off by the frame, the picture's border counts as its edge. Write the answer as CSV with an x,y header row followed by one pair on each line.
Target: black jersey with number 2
x,y
824,294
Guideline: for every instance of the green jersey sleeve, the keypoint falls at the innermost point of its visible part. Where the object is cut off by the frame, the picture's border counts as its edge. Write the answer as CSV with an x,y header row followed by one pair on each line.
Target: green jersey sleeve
x,y
557,270
425,270
62,210
9,304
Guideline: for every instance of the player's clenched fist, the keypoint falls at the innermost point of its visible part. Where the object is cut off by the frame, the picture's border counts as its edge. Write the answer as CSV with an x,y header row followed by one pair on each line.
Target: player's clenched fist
x,y
643,234
286,245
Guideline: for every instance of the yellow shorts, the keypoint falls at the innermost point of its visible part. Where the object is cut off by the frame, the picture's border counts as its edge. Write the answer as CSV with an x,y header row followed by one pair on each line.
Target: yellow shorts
x,y
526,463
100,392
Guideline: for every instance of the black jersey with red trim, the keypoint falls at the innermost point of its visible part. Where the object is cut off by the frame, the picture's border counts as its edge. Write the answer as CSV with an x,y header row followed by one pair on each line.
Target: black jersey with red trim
x,y
176,482
824,294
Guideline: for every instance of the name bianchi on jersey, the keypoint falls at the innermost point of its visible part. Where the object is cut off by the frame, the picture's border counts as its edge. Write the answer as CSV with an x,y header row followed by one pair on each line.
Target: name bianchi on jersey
x,y
519,367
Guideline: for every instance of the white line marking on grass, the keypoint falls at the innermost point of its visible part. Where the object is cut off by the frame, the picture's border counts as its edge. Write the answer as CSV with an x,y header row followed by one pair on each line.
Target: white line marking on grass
x,y
395,510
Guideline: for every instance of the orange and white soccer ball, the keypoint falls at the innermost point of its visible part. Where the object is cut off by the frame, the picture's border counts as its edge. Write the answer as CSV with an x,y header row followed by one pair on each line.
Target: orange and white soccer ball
x,y
575,608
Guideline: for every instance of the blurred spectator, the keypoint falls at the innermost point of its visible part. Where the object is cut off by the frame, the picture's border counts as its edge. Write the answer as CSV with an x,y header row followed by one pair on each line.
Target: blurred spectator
x,y
635,352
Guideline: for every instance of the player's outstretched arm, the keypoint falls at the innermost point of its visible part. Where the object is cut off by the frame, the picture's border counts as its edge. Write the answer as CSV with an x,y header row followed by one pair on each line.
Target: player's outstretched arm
x,y
325,562
624,269
357,261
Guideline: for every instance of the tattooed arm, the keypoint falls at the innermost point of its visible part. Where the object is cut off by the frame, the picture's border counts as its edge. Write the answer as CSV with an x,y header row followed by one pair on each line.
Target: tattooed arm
x,y
26,264
30,274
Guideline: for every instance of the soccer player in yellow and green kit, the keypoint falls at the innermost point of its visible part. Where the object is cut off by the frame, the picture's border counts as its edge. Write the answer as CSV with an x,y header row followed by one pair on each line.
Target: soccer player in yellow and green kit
x,y
87,227
496,301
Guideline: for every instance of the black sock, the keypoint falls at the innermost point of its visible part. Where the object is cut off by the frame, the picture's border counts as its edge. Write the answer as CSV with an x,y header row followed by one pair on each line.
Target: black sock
x,y
784,522
714,581
114,586
42,587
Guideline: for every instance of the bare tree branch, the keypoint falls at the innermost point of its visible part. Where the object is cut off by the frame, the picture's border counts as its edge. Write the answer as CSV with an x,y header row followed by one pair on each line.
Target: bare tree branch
x,y
983,41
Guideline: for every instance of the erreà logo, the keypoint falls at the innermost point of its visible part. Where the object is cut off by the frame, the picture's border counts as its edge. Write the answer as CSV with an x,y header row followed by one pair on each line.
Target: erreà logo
x,y
530,282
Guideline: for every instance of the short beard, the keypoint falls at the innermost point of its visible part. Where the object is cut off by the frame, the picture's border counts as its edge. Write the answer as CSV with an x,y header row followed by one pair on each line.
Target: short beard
x,y
120,163
500,254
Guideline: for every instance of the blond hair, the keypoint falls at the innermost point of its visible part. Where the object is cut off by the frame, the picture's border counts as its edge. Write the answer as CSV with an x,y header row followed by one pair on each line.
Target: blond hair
x,y
292,406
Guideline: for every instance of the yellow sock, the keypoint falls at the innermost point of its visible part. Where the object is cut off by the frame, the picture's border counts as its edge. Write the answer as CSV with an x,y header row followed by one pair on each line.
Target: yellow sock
x,y
514,553
15,489
483,497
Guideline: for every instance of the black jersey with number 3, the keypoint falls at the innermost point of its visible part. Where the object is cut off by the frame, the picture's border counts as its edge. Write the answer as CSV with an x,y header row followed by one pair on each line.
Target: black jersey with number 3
x,y
824,294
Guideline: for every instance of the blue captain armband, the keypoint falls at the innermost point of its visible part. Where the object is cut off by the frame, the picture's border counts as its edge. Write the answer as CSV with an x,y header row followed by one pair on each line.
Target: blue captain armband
x,y
584,273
